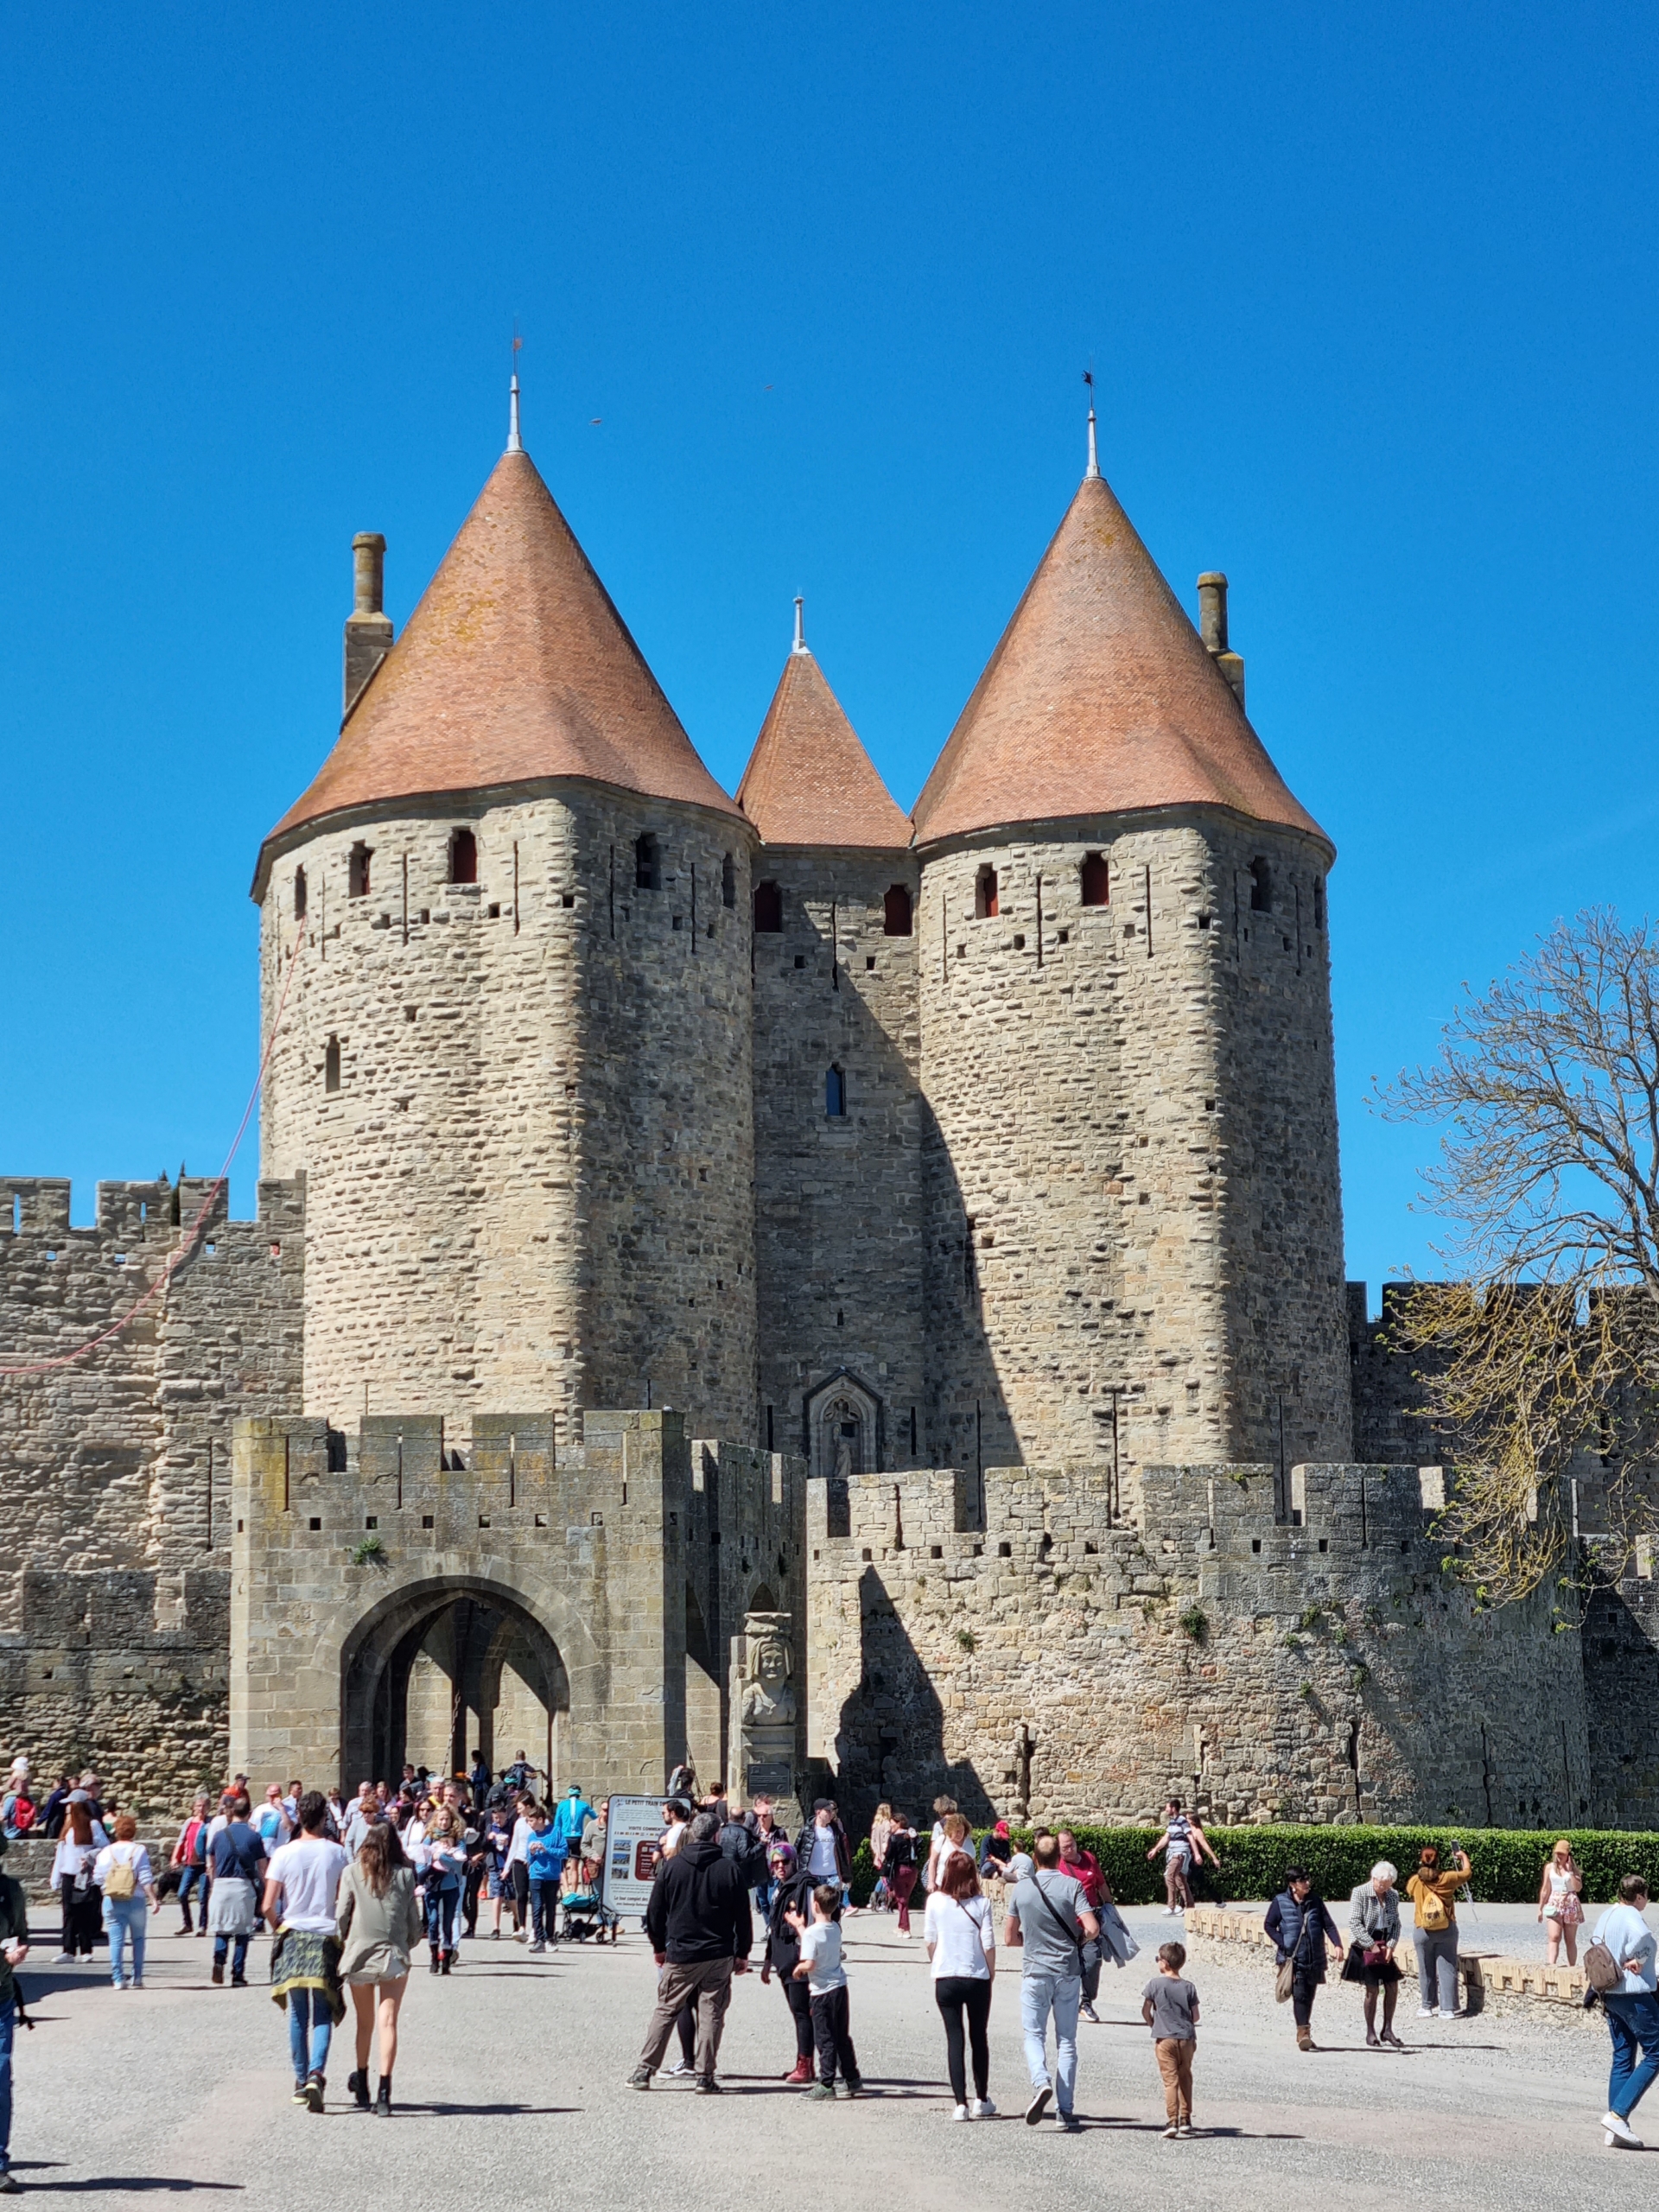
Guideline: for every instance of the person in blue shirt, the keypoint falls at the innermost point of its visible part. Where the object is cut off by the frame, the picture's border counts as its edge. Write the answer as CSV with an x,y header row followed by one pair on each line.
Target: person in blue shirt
x,y
573,1811
545,1863
1631,2007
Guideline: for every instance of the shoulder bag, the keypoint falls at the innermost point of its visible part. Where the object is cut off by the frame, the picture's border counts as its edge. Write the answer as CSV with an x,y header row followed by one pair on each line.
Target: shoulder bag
x,y
1072,1935
1284,1988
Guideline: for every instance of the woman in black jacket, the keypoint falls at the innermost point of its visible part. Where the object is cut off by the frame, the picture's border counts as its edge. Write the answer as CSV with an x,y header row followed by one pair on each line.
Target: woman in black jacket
x,y
1300,1926
792,1891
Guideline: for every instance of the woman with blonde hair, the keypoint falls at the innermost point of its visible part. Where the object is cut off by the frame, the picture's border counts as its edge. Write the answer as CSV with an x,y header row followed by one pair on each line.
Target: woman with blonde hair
x,y
1560,1902
379,1923
881,1829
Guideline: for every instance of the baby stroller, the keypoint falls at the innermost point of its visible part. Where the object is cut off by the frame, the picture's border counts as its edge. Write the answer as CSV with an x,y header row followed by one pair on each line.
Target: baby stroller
x,y
584,1916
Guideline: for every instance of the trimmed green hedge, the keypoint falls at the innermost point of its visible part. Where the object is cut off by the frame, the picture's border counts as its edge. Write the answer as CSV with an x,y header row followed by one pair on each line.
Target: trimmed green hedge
x,y
1508,1863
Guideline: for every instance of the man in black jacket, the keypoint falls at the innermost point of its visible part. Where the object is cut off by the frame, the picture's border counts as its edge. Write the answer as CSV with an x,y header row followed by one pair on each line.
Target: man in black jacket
x,y
700,1931
823,1846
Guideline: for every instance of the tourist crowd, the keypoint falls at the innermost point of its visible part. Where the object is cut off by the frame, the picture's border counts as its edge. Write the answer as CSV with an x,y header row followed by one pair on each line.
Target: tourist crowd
x,y
350,1894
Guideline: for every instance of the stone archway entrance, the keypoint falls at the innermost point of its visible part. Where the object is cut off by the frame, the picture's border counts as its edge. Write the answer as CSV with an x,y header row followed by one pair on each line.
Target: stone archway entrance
x,y
440,1669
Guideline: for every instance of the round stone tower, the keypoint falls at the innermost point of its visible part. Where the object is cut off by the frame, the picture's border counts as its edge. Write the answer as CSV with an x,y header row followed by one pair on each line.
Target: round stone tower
x,y
507,929
1134,1239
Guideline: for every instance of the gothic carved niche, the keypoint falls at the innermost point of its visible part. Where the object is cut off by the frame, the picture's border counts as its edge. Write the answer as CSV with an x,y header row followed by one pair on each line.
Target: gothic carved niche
x,y
844,1430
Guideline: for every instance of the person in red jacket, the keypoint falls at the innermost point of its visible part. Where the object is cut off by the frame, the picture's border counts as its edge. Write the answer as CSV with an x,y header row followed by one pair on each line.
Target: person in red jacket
x,y
1084,1868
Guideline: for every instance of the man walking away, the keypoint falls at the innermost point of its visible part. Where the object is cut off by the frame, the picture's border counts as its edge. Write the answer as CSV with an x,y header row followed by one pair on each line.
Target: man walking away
x,y
1049,1920
1631,2007
14,1949
700,1931
303,1879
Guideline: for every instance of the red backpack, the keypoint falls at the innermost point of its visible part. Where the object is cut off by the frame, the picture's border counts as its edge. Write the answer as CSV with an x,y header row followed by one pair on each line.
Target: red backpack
x,y
22,1813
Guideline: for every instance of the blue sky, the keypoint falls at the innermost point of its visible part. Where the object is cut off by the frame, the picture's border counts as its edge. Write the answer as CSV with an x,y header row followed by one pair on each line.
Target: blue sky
x,y
1370,297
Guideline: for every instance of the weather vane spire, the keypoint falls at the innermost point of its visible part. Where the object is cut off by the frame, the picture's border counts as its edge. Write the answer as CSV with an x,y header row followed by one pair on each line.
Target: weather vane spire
x,y
515,443
800,622
1093,470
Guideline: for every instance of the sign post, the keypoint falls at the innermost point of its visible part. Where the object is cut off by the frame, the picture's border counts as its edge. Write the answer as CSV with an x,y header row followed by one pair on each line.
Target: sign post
x,y
631,1840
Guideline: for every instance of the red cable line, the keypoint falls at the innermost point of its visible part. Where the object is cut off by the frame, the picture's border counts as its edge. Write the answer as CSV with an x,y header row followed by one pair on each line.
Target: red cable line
x,y
186,1242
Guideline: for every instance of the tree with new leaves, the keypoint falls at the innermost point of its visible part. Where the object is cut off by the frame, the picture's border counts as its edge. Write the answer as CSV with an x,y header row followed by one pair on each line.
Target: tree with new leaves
x,y
1546,1343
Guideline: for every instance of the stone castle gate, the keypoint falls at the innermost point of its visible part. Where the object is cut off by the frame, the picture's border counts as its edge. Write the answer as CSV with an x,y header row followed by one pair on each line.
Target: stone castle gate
x,y
605,1574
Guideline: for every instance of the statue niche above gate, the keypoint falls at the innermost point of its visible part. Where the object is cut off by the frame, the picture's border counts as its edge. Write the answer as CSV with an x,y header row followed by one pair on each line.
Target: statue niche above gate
x,y
571,1567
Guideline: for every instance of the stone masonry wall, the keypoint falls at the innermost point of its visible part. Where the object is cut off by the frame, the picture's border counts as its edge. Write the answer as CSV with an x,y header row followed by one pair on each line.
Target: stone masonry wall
x,y
838,1199
533,1183
1133,1234
1038,1658
115,1468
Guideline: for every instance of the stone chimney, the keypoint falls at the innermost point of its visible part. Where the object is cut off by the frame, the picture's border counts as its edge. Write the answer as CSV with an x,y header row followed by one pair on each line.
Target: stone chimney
x,y
368,632
1213,628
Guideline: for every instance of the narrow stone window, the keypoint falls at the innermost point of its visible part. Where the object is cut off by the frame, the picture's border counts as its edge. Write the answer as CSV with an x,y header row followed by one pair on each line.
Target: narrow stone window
x,y
331,1065
299,894
896,912
1095,879
986,904
1318,905
768,910
647,863
1261,887
463,856
834,1093
727,882
357,872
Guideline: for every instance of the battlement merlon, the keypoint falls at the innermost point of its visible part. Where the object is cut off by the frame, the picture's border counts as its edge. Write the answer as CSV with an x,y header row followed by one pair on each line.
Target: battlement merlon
x,y
928,1505
133,1212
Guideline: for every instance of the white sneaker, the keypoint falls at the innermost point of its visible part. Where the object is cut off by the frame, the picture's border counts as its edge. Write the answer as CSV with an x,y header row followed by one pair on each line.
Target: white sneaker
x,y
1426,2012
1621,2128
1169,1911
679,2067
961,2112
1171,2133
984,2109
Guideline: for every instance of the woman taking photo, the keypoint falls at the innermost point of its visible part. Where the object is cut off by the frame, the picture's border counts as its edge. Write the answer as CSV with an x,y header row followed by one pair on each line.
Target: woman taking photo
x,y
1560,1903
378,1924
960,1939
1300,1925
1374,1928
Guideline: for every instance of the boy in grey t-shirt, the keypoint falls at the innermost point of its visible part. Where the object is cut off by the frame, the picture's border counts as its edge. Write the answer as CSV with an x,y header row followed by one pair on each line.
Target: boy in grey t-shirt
x,y
1169,2005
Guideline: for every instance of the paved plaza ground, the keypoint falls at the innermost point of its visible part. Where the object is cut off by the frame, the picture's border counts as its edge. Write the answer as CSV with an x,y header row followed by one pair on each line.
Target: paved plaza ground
x,y
512,2081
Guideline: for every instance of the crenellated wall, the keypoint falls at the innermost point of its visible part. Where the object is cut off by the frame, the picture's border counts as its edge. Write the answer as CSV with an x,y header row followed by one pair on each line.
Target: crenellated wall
x,y
115,1468
1029,1654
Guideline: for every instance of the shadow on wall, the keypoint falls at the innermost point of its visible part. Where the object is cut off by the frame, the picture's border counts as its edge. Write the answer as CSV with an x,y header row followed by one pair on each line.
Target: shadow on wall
x,y
890,1739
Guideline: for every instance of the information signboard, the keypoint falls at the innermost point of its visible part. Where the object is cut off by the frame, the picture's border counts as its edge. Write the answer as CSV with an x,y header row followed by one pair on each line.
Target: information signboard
x,y
630,1841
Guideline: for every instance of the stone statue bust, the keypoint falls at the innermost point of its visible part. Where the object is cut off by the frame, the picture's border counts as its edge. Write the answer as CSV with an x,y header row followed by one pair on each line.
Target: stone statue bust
x,y
768,1698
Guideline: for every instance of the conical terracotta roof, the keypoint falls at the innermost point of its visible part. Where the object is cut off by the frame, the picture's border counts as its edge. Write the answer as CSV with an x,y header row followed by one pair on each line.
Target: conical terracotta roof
x,y
514,667
809,780
1100,699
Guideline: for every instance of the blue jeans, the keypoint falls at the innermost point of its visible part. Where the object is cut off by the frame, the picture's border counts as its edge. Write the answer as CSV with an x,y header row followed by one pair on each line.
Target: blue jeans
x,y
1632,2019
441,1915
7,2022
308,2030
192,1877
543,1907
239,1960
124,1918
1039,1995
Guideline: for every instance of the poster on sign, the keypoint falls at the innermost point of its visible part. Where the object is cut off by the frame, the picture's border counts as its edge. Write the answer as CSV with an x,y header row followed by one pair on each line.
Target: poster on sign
x,y
631,1840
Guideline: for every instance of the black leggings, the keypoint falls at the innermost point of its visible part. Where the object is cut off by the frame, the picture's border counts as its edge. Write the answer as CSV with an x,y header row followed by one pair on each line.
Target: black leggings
x,y
955,1994
798,1998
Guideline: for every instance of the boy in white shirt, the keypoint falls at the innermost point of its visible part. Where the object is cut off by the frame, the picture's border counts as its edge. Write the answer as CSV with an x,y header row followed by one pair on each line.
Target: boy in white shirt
x,y
825,1977
302,1881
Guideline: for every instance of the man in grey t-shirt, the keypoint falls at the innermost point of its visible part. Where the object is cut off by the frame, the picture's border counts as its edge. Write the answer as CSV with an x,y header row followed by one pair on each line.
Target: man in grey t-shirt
x,y
1049,1921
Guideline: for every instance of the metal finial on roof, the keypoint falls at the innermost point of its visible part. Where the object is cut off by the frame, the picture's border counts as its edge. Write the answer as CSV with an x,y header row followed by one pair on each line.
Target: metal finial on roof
x,y
800,622
515,443
1093,470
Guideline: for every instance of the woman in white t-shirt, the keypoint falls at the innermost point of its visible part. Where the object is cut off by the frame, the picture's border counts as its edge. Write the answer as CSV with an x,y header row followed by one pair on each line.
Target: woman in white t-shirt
x,y
122,1871
960,1939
